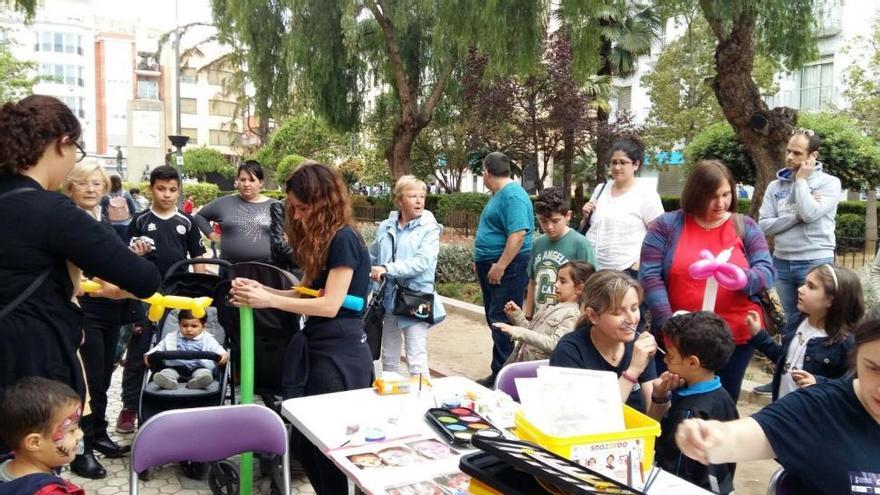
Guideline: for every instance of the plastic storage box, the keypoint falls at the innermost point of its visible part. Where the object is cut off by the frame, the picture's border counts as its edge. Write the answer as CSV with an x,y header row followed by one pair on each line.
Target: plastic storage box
x,y
640,429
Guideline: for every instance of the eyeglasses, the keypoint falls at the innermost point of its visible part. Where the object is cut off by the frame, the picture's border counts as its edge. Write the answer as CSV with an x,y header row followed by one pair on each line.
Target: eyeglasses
x,y
804,132
97,184
621,163
81,151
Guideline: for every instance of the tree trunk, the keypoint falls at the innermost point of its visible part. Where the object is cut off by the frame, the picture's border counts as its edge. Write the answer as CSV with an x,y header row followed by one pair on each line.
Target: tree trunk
x,y
567,159
871,224
762,132
602,145
398,153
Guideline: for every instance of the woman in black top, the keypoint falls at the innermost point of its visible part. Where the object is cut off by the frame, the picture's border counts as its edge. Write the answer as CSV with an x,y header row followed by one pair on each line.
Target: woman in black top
x,y
330,354
44,242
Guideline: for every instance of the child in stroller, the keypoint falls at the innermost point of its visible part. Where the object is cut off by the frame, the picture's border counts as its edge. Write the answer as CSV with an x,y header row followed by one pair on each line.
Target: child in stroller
x,y
190,337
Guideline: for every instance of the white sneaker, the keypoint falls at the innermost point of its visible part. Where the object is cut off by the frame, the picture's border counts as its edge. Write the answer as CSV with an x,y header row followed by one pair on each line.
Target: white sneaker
x,y
165,382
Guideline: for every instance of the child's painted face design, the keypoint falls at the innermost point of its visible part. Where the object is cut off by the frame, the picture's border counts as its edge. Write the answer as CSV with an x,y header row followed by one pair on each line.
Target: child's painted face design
x,y
66,436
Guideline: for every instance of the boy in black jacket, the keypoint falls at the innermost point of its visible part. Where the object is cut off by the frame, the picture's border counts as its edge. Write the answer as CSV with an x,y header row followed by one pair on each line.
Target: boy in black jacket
x,y
697,345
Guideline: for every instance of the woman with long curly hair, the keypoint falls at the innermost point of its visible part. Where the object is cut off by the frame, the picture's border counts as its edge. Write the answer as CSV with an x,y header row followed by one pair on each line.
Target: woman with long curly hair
x,y
330,354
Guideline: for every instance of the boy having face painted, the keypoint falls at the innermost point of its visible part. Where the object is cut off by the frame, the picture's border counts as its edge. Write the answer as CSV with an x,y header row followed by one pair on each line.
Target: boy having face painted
x,y
41,424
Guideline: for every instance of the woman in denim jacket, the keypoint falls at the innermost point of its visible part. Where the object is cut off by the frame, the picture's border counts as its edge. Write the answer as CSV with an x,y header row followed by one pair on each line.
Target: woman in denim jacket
x,y
816,342
405,250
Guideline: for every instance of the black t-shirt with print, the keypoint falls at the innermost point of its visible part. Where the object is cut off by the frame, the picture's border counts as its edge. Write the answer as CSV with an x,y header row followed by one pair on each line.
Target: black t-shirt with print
x,y
174,236
825,438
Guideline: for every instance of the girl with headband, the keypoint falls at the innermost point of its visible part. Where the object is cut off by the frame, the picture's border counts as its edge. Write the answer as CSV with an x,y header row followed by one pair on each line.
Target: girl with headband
x,y
816,342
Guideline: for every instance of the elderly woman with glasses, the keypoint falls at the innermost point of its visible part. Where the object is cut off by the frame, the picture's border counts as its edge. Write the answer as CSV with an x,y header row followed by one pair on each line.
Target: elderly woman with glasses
x,y
102,317
45,239
707,220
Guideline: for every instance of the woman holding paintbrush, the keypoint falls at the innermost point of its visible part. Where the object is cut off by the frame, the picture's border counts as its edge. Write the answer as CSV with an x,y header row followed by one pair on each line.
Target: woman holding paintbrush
x,y
330,354
707,220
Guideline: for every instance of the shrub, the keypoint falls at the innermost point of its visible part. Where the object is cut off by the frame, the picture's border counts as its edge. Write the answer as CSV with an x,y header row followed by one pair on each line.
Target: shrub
x,y
850,225
286,166
470,202
275,194
203,193
454,264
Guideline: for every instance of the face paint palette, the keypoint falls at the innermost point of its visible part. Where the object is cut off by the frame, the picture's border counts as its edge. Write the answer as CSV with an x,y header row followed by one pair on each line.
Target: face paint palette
x,y
554,473
459,425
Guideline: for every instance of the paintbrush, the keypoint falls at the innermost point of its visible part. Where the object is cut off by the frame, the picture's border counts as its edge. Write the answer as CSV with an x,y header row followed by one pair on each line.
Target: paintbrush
x,y
627,325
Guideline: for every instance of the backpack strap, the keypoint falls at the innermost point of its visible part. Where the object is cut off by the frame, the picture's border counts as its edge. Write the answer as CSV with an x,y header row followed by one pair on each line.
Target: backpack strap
x,y
37,282
739,226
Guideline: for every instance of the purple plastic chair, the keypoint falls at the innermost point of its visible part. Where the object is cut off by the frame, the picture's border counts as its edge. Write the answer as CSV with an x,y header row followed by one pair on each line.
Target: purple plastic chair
x,y
208,434
526,369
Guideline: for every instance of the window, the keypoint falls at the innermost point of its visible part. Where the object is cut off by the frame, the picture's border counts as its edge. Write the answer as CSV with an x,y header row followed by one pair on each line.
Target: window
x,y
188,105
189,75
72,75
59,43
816,86
75,103
222,108
218,78
147,89
193,135
828,16
220,138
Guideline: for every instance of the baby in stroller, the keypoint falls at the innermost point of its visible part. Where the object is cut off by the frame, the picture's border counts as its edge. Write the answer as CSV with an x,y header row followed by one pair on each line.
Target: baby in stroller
x,y
190,337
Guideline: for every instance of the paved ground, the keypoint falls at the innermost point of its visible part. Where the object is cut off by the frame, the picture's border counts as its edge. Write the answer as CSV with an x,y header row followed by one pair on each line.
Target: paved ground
x,y
461,345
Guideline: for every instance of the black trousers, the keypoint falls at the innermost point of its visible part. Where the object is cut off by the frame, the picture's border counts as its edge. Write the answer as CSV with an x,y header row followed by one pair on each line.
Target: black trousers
x,y
134,369
101,328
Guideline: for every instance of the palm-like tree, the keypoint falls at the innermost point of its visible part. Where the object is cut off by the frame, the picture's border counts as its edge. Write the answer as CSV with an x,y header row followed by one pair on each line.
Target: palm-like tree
x,y
627,32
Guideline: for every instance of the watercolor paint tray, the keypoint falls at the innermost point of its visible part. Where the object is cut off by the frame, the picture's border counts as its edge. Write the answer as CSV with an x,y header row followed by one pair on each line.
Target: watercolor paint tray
x,y
500,476
458,425
551,470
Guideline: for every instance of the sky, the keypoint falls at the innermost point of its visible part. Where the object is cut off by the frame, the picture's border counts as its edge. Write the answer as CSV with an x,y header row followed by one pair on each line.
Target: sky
x,y
155,13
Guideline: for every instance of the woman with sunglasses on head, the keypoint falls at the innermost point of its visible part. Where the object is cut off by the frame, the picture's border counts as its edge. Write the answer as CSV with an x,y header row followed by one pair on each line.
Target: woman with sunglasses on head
x,y
46,241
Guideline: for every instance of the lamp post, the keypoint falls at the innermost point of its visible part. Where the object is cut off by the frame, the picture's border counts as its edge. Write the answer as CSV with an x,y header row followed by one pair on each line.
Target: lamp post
x,y
179,142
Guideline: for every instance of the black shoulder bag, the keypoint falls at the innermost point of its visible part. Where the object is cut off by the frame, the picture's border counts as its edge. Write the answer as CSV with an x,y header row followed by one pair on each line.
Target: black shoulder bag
x,y
585,223
410,303
37,281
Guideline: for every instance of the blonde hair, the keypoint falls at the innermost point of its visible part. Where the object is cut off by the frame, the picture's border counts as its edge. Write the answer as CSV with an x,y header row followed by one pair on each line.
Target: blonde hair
x,y
605,291
405,183
82,172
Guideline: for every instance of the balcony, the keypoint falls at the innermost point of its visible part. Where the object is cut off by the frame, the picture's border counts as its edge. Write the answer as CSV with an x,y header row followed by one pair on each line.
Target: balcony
x,y
147,65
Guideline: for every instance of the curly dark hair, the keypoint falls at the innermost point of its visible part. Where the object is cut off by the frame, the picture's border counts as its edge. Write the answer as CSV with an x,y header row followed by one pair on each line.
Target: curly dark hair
x,y
701,334
29,126
551,200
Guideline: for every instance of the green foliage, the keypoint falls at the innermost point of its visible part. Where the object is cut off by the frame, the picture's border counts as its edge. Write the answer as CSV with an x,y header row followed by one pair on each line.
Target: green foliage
x,y
202,192
862,81
850,225
682,99
304,135
286,166
470,202
275,194
198,162
845,151
454,264
16,80
463,291
672,203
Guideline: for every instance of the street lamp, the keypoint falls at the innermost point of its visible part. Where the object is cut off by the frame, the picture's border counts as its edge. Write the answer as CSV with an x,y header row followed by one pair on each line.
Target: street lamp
x,y
179,142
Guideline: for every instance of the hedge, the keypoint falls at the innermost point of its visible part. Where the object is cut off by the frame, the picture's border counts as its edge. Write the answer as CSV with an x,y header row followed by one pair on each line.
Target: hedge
x,y
470,202
202,192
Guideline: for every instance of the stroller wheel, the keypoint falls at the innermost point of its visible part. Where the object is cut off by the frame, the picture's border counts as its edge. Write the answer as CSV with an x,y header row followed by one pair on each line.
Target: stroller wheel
x,y
194,470
223,478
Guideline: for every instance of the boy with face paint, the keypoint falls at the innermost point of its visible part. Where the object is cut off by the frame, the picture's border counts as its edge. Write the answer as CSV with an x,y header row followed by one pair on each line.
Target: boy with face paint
x,y
41,423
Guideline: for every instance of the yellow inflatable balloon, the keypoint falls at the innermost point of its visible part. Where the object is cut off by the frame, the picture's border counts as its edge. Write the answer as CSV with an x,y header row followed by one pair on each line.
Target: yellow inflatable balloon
x,y
159,303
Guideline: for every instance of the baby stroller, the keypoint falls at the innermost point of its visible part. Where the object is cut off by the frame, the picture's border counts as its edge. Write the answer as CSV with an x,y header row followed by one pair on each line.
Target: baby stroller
x,y
154,399
273,330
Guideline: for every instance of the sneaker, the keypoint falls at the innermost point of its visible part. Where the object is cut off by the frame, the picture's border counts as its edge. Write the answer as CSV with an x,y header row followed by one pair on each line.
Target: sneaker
x,y
765,389
200,381
125,423
165,382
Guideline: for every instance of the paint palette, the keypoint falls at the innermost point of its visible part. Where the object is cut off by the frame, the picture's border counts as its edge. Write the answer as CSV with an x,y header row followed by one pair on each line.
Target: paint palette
x,y
556,474
459,425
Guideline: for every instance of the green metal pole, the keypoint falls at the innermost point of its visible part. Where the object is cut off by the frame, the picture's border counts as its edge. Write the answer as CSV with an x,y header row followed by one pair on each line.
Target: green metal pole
x,y
246,317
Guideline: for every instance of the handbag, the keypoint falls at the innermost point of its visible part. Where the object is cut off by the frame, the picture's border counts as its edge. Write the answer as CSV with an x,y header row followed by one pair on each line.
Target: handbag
x,y
771,305
411,303
374,320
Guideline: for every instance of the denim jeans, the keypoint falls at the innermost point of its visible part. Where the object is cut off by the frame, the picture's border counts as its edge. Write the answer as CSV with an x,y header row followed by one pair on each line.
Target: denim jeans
x,y
789,276
512,288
